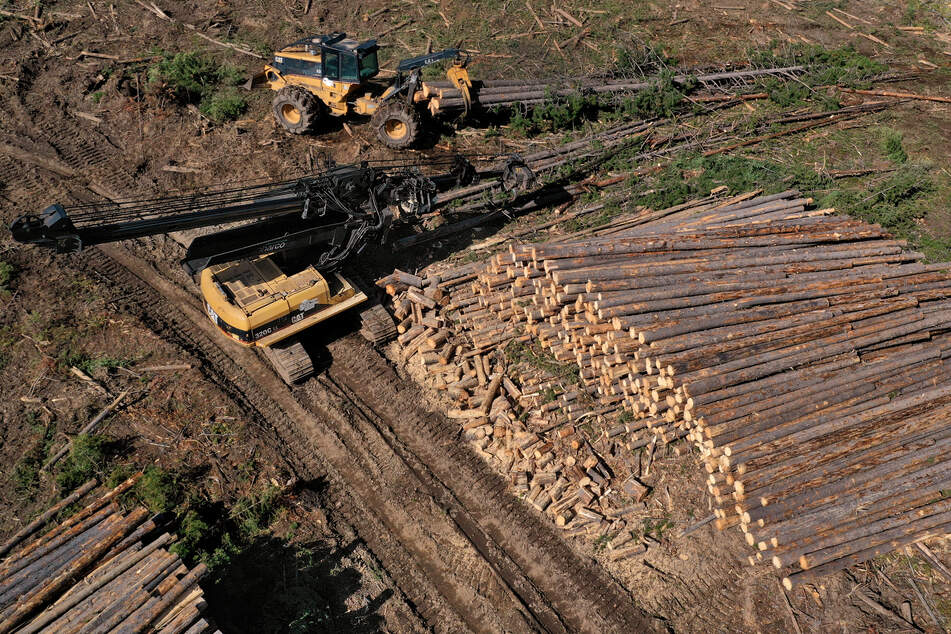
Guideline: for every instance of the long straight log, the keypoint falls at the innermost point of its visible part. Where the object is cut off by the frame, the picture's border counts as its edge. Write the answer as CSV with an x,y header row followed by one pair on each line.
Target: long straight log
x,y
76,598
46,516
32,601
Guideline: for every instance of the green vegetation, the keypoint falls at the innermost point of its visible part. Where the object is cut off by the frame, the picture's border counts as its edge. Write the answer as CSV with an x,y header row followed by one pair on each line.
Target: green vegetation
x,y
692,176
26,472
657,526
87,459
660,99
254,512
664,97
224,105
158,489
193,77
517,351
209,534
201,541
897,202
891,144
89,364
97,96
7,275
944,609
602,542
556,113
843,65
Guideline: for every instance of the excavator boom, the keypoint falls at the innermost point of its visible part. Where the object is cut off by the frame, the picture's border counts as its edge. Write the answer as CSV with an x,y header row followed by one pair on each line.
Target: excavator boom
x,y
334,214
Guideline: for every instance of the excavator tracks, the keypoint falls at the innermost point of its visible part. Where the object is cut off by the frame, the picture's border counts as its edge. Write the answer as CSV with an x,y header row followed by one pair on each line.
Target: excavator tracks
x,y
377,326
466,554
290,360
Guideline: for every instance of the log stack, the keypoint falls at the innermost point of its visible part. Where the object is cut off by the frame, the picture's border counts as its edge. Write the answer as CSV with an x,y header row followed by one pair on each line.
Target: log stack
x,y
441,96
100,570
803,354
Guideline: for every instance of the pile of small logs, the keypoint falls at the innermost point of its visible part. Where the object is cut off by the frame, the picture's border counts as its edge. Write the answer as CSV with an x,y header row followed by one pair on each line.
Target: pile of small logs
x,y
802,353
442,96
100,570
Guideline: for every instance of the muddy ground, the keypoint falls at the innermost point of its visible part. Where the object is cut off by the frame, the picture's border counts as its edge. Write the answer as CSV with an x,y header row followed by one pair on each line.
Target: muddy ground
x,y
80,120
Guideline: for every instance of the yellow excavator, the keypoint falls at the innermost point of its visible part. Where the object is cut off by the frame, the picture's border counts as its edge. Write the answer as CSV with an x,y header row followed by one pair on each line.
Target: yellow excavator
x,y
330,75
272,268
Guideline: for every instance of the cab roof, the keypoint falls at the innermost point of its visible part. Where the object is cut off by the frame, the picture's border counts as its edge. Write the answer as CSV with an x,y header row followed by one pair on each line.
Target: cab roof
x,y
338,41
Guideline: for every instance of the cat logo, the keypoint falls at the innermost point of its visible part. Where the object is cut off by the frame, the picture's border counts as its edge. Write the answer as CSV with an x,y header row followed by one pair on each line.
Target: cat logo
x,y
212,313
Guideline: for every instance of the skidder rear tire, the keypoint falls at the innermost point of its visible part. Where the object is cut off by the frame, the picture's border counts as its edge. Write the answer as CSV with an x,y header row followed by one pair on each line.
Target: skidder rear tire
x,y
297,110
396,126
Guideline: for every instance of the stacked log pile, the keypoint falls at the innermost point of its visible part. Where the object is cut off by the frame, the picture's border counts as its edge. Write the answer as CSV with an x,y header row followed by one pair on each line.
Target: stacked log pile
x,y
442,96
804,354
100,570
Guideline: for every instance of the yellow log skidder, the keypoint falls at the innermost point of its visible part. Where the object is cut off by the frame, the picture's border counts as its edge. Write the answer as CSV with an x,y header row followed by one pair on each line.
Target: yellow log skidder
x,y
330,75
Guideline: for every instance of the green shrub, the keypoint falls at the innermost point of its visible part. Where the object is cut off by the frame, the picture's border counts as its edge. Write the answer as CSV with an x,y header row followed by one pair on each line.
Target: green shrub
x,y
7,274
843,65
254,512
87,458
556,113
224,105
118,475
660,99
894,203
209,535
892,147
89,364
199,541
193,77
158,489
26,472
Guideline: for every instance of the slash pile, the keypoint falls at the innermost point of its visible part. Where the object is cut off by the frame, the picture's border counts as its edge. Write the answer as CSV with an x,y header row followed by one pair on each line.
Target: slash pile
x,y
802,353
101,570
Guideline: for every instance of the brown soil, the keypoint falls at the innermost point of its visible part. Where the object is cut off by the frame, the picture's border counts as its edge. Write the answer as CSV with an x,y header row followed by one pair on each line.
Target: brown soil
x,y
394,525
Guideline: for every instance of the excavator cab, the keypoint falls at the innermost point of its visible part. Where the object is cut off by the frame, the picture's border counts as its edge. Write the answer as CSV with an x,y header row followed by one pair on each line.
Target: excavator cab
x,y
259,302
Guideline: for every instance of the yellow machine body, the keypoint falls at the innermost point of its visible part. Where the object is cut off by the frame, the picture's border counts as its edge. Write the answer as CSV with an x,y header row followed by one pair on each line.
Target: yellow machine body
x,y
331,68
256,303
333,71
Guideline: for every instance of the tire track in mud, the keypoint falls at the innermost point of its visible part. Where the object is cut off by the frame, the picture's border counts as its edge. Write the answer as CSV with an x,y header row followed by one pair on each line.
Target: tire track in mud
x,y
578,590
409,475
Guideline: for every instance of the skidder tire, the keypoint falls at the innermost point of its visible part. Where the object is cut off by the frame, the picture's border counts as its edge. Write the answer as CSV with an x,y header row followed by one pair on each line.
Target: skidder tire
x,y
297,110
396,126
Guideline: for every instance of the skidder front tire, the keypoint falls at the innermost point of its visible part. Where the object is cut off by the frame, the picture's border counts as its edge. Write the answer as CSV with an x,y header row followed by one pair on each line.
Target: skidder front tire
x,y
297,110
396,126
